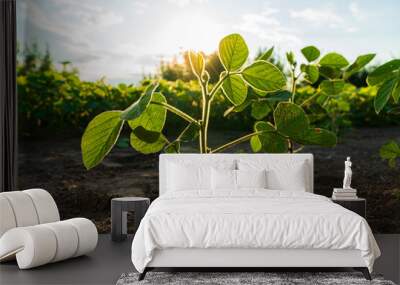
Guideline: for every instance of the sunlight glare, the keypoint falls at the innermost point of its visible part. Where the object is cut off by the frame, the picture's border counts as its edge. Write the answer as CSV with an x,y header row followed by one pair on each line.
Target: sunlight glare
x,y
195,31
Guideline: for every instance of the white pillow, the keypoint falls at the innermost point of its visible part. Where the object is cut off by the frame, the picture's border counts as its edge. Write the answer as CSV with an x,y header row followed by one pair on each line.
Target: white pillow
x,y
223,179
291,179
188,177
251,178
286,174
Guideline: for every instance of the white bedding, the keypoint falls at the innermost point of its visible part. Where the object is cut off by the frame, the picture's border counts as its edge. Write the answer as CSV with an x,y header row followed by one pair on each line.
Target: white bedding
x,y
250,218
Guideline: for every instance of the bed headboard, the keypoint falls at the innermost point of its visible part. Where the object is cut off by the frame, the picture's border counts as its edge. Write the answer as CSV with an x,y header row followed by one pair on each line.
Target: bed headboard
x,y
196,158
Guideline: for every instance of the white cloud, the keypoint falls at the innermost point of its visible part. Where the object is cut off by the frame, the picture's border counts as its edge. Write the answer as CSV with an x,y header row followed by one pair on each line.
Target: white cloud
x,y
71,33
266,26
352,29
88,13
183,3
319,17
330,18
356,11
140,6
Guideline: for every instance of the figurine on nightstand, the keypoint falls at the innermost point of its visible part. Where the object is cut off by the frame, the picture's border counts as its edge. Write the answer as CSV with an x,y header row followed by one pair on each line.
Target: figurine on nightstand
x,y
347,192
347,174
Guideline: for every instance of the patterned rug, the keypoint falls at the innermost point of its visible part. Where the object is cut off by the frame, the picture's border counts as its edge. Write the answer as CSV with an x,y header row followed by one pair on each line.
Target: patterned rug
x,y
243,278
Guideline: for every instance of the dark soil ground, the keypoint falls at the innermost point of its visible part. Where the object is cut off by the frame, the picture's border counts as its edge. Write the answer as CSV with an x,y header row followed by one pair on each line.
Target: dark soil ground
x,y
55,165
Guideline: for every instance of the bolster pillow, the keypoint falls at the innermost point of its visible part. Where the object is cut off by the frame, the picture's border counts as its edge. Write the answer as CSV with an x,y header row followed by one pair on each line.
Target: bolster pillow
x,y
40,244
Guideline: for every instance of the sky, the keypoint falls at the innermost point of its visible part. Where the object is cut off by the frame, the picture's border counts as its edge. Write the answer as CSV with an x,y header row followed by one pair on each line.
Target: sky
x,y
124,39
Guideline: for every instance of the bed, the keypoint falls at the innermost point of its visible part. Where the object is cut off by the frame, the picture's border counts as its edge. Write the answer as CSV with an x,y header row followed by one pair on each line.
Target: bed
x,y
246,211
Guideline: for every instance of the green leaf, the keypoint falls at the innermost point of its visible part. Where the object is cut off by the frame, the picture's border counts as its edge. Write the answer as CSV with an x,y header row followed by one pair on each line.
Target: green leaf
x,y
290,119
190,133
290,57
260,109
99,137
153,118
137,108
396,92
233,52
334,60
266,55
384,72
147,148
394,111
392,163
255,144
237,109
197,63
332,87
390,150
311,71
311,53
257,93
269,141
377,80
359,63
146,135
264,76
174,147
278,96
122,142
317,136
329,72
235,89
383,94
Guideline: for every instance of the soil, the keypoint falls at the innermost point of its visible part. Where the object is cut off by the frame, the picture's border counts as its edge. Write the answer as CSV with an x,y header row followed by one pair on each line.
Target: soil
x,y
55,165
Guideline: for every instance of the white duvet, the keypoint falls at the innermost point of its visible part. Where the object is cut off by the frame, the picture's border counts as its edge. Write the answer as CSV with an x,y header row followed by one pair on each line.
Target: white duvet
x,y
250,219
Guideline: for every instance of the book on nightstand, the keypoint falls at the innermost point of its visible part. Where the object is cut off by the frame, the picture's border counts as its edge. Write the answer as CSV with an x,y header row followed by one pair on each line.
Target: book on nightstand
x,y
344,194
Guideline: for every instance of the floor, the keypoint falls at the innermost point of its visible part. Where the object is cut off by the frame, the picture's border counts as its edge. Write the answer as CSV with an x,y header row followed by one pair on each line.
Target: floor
x,y
104,266
110,260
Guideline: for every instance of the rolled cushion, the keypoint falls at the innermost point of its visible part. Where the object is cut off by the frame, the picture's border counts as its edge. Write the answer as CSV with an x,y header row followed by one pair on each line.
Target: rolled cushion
x,y
66,238
45,205
33,246
87,235
37,245
7,218
23,208
26,208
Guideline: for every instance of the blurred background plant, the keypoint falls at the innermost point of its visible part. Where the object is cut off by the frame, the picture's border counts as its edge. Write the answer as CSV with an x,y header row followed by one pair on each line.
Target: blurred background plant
x,y
387,79
54,102
55,99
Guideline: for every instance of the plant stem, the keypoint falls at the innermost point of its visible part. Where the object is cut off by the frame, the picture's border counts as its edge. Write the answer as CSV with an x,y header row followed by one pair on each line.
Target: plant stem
x,y
290,146
236,141
205,124
219,83
207,98
202,131
298,149
242,139
206,109
294,79
183,132
176,111
309,99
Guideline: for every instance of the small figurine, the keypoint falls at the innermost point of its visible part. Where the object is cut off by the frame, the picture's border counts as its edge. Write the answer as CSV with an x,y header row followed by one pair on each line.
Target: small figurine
x,y
347,174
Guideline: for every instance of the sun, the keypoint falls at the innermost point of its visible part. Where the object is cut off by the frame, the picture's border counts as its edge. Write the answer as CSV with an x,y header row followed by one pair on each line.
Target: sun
x,y
196,32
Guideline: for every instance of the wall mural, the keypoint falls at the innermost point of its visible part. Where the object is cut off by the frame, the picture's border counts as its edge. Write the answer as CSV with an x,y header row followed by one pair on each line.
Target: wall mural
x,y
205,76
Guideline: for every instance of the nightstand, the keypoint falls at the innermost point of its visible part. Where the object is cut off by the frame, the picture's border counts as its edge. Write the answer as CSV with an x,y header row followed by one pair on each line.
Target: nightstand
x,y
358,206
119,209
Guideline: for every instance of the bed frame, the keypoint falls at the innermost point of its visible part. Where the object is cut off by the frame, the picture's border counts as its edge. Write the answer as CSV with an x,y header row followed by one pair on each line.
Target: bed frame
x,y
249,258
